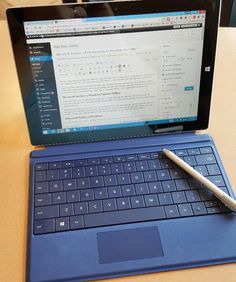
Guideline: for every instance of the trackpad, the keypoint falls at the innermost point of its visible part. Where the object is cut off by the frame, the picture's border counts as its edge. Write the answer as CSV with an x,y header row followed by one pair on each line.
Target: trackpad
x,y
129,244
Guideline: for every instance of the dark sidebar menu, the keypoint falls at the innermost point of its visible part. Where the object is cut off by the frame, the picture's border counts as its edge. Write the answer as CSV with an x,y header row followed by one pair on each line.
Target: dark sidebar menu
x,y
41,61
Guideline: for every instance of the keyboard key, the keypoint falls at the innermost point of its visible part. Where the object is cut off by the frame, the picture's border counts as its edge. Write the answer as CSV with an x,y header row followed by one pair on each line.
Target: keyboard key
x,y
141,165
123,179
154,164
206,150
206,195
72,196
171,211
176,173
109,205
66,210
128,190
83,183
201,169
66,164
137,202
42,200
81,162
185,210
55,186
136,177
168,186
42,166
52,174
81,208
86,195
223,208
123,203
124,216
181,152
41,187
190,160
96,182
131,158
40,176
156,155
106,160
213,169
166,163
47,212
217,180
182,184
192,196
179,197
54,165
129,167
144,156
193,151
114,192
141,189
149,176
62,224
110,180
116,168
78,172
198,208
100,193
91,171
194,183
206,159
65,173
213,210
59,198
95,206
76,222
69,184
210,204
104,169
44,226
155,187
151,200
95,161
163,174
165,199
118,159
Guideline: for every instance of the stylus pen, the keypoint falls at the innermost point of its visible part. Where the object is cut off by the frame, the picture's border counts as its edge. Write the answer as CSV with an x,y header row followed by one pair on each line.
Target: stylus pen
x,y
221,195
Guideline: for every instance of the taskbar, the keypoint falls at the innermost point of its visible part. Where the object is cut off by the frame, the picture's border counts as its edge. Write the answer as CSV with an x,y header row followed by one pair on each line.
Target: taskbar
x,y
113,126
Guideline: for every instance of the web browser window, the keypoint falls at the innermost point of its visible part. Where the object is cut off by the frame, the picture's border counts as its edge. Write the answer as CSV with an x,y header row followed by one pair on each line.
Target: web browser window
x,y
116,71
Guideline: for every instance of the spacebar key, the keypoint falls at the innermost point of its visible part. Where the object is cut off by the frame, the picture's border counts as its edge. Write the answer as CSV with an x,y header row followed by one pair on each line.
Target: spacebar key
x,y
125,216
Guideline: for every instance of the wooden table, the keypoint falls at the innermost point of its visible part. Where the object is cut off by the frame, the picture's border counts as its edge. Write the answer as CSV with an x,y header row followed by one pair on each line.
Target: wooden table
x,y
14,155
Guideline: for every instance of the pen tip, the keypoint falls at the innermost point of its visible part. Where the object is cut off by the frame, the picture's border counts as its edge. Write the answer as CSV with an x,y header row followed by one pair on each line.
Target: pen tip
x,y
164,150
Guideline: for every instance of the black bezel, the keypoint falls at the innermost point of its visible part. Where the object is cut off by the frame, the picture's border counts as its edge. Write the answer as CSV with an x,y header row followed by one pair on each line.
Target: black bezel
x,y
16,17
